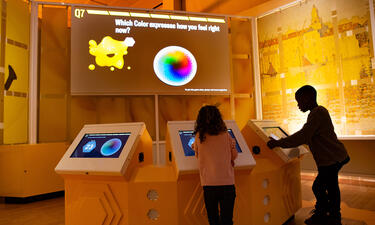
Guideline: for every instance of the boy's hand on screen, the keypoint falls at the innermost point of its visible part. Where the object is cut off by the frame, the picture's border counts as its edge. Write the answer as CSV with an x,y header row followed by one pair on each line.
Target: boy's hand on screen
x,y
272,143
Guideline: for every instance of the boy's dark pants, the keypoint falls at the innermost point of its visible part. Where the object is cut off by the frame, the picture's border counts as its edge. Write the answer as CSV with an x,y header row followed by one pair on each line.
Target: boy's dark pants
x,y
326,189
223,196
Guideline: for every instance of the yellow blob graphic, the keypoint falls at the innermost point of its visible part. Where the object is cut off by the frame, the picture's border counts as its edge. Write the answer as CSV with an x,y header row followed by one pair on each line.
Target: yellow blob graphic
x,y
110,52
112,68
91,67
129,67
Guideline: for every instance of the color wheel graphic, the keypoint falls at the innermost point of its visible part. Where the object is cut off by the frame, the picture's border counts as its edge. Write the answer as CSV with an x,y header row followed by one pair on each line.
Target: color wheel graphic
x,y
175,65
111,146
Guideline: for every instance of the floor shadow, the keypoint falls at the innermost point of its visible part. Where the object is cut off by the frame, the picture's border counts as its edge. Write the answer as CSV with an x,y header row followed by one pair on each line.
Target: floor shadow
x,y
304,213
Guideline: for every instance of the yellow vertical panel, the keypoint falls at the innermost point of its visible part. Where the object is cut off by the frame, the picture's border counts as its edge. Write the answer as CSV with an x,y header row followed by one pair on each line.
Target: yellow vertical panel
x,y
54,70
187,107
52,122
54,75
111,109
105,109
18,59
240,36
54,22
142,109
17,55
245,110
15,120
83,111
18,20
243,78
116,109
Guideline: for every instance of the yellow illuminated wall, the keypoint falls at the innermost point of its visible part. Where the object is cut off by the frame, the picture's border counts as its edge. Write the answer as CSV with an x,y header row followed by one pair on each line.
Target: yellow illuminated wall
x,y
324,43
17,56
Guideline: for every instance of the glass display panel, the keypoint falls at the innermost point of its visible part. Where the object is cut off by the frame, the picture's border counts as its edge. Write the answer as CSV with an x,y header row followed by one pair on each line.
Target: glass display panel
x,y
275,132
101,145
326,44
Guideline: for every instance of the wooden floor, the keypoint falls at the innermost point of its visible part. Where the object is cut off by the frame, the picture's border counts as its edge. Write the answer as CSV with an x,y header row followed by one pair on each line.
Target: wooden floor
x,y
358,208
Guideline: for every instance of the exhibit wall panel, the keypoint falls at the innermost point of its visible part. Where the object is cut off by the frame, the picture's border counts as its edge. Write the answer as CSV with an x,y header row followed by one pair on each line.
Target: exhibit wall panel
x,y
244,107
111,109
120,109
240,33
325,44
54,75
187,108
83,111
16,57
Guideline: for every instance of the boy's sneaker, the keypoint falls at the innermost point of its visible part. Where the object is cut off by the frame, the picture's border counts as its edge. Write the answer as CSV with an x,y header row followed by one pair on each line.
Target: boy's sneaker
x,y
317,218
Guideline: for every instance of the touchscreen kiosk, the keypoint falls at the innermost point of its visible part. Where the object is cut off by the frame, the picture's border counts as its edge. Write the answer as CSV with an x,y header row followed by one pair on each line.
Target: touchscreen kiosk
x,y
187,139
97,169
181,137
101,149
269,128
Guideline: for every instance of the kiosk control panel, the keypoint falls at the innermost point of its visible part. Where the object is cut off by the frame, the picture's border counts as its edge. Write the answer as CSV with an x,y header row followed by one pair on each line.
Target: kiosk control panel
x,y
181,138
101,149
270,128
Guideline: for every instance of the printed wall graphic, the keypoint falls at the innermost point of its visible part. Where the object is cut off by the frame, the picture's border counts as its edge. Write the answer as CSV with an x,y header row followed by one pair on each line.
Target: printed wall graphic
x,y
326,44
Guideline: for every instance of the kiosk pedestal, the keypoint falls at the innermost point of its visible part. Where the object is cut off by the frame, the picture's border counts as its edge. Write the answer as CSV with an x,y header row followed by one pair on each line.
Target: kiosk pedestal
x,y
276,180
97,168
172,194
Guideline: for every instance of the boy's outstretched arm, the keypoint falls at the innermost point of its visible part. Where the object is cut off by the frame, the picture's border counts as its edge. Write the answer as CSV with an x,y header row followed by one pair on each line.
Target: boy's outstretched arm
x,y
300,137
272,143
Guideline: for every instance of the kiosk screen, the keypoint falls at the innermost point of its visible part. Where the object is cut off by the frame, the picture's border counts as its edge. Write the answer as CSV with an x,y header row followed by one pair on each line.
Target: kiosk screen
x,y
232,135
275,132
187,139
101,145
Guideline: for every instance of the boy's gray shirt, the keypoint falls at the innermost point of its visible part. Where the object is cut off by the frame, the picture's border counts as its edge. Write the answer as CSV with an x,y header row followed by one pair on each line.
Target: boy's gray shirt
x,y
318,133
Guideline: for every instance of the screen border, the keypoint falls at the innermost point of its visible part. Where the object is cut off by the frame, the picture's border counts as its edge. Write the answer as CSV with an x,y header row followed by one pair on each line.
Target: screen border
x,y
101,166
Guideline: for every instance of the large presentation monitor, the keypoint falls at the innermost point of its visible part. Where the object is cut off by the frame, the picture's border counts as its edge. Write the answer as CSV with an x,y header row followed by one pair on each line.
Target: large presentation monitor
x,y
101,149
136,52
182,138
270,128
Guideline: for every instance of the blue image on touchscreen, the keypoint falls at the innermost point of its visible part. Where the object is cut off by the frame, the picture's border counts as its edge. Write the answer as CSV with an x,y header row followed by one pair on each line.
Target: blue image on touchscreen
x,y
101,145
187,139
234,137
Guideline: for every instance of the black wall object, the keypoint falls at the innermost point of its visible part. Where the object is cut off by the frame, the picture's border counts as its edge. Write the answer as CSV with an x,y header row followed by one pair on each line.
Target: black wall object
x,y
12,76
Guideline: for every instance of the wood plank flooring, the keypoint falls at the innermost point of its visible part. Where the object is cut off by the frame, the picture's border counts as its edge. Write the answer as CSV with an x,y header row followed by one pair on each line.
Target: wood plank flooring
x,y
358,208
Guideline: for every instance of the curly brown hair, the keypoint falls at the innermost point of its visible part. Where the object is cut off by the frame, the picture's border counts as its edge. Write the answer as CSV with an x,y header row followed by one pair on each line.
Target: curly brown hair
x,y
209,121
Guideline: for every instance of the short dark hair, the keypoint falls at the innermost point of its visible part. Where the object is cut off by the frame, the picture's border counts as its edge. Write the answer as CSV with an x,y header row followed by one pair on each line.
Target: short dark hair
x,y
306,90
209,121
